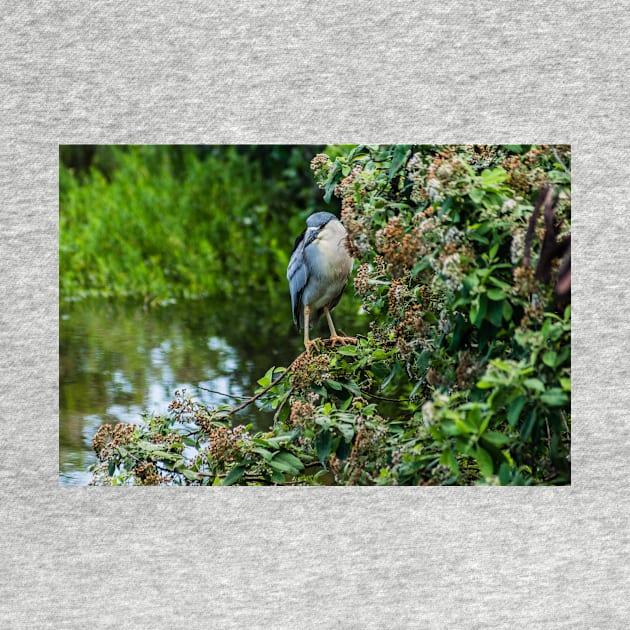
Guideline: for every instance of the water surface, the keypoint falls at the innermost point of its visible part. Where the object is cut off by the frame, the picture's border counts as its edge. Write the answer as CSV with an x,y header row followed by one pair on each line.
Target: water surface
x,y
119,361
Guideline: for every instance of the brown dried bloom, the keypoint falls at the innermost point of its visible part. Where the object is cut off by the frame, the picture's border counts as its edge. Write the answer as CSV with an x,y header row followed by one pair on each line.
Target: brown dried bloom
x,y
357,240
362,280
301,411
147,475
396,297
466,372
309,368
224,442
107,438
321,167
523,280
399,249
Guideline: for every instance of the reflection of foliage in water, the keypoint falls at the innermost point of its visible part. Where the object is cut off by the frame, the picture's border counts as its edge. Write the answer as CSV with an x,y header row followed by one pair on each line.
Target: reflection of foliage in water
x,y
465,375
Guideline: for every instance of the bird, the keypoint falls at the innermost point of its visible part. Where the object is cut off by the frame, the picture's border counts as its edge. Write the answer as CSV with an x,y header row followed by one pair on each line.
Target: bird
x,y
318,273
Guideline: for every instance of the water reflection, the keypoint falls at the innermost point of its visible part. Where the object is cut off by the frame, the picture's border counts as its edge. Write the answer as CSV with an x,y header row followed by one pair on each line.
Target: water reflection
x,y
118,361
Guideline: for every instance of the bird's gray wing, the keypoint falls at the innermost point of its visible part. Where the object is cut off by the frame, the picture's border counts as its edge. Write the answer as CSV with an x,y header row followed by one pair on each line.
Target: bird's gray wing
x,y
297,276
297,273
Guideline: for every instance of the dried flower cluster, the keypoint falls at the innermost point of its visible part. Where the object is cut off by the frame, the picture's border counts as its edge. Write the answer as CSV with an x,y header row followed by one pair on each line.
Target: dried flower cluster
x,y
321,167
308,369
147,475
301,413
109,437
400,249
227,443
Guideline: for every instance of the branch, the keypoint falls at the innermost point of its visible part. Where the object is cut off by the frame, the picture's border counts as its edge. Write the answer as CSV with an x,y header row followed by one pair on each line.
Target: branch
x,y
214,391
559,160
261,393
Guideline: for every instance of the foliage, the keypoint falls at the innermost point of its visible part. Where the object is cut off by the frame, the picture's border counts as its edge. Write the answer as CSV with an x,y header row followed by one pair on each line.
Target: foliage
x,y
464,376
160,223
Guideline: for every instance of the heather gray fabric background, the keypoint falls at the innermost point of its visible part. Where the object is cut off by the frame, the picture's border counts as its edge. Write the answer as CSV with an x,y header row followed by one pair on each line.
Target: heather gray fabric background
x,y
124,72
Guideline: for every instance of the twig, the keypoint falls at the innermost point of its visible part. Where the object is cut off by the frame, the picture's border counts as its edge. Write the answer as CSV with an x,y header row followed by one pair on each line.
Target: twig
x,y
214,391
544,196
398,400
555,153
261,393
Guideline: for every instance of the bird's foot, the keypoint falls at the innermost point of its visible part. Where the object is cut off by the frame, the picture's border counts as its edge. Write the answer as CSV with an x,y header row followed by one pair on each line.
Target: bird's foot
x,y
343,340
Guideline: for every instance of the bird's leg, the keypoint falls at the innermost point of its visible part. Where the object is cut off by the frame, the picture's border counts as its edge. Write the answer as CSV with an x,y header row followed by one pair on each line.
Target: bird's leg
x,y
333,333
307,342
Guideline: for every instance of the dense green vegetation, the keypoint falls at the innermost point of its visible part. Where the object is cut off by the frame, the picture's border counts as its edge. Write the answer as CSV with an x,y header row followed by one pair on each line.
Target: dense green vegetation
x,y
159,223
462,256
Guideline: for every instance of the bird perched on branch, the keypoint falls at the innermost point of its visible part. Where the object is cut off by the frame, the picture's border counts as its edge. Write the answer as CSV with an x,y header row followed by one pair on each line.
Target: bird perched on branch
x,y
318,272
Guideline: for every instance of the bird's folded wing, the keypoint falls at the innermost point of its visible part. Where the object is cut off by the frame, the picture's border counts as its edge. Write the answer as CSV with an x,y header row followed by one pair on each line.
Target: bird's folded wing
x,y
297,276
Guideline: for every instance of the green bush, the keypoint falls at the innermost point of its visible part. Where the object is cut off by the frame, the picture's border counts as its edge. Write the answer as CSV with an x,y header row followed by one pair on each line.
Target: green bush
x,y
465,375
158,223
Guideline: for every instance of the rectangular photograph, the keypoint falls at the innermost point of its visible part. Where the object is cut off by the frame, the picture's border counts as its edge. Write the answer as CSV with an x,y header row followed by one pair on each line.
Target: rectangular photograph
x,y
309,315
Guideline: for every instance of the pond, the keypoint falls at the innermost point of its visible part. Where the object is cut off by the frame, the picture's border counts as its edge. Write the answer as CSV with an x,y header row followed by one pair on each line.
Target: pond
x,y
118,361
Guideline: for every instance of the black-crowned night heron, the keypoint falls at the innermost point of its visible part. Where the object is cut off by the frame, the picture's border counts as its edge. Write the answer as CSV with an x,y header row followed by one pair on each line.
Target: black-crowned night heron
x,y
318,272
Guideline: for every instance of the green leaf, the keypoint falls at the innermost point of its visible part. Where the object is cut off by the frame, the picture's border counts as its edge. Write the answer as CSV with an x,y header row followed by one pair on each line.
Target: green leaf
x,y
555,397
486,466
399,157
318,389
504,474
334,384
496,294
485,384
191,475
514,410
265,380
474,311
267,455
323,444
496,438
476,194
347,430
283,467
290,459
353,388
380,355
390,377
234,475
528,427
283,438
277,477
463,427
480,313
448,459
331,182
149,446
495,313
473,418
550,358
348,351
111,468
534,383
164,455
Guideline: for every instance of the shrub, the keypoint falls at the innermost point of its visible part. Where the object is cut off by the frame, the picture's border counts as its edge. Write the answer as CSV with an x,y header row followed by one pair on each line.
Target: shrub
x,y
463,264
